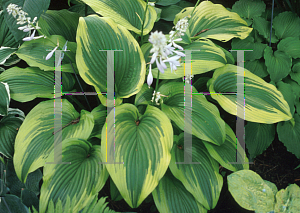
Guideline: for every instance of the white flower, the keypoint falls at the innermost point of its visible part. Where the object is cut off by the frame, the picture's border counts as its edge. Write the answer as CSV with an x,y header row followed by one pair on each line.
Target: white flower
x,y
13,9
51,53
158,95
182,25
32,37
149,77
173,62
151,4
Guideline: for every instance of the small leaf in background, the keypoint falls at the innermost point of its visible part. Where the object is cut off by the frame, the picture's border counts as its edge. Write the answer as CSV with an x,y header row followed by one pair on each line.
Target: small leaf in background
x,y
290,135
114,192
5,98
168,13
286,24
29,198
278,63
295,74
291,46
263,27
258,137
249,9
167,2
288,95
13,203
257,67
250,191
248,44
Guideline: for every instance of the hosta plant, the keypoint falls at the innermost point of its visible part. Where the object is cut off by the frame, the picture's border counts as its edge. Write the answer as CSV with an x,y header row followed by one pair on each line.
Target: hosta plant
x,y
148,120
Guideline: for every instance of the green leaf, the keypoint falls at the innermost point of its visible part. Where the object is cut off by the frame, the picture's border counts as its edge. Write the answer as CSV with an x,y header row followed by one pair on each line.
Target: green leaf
x,y
34,53
129,66
146,160
114,192
59,22
5,53
291,46
167,2
144,96
257,67
12,204
258,137
202,180
226,153
206,56
249,9
289,135
84,173
9,126
278,64
6,37
29,198
31,82
286,24
263,102
80,9
263,27
5,98
248,44
171,196
295,74
206,121
127,13
99,114
99,206
250,191
222,25
288,95
35,139
288,200
272,186
168,13
34,8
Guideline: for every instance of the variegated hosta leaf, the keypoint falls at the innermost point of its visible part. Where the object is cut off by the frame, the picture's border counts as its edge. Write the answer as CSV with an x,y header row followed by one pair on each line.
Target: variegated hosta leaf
x,y
5,98
171,196
202,179
128,13
214,21
227,154
35,139
84,177
205,121
205,55
263,102
143,143
95,34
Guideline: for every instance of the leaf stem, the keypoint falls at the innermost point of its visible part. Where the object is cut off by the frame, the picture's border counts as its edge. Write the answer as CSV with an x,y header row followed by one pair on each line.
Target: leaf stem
x,y
142,37
195,7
